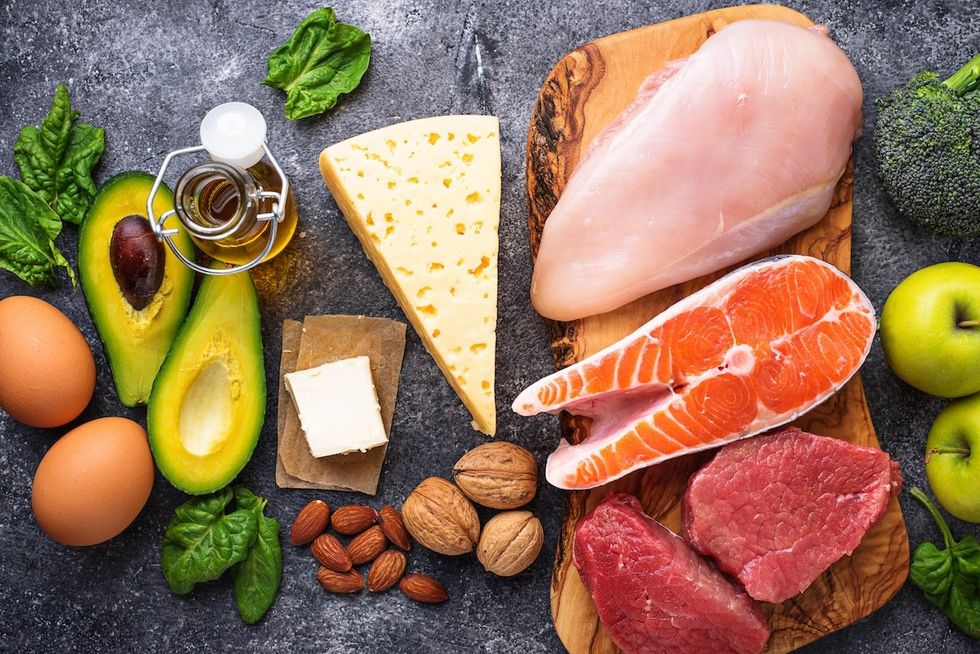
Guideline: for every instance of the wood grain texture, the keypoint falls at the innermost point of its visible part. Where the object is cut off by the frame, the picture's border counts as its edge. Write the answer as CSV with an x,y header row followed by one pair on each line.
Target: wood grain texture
x,y
587,88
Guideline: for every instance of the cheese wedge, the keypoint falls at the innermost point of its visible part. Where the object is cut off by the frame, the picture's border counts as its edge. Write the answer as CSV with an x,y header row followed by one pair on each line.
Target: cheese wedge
x,y
423,197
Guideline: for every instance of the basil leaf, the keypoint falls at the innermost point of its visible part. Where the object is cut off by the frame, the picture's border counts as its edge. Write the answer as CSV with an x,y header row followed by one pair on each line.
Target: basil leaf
x,y
201,541
27,231
56,160
322,60
256,579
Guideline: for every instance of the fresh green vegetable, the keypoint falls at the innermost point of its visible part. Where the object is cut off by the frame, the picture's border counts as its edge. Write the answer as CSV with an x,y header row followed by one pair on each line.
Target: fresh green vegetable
x,y
56,160
950,578
205,539
256,579
28,228
927,142
202,541
322,60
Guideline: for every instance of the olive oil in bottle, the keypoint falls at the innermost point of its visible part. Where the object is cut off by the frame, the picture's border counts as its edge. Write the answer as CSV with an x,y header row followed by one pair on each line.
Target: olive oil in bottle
x,y
237,207
216,197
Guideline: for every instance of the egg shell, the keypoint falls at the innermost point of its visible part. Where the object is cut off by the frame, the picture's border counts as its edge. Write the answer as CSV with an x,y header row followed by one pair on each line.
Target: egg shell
x,y
93,482
47,373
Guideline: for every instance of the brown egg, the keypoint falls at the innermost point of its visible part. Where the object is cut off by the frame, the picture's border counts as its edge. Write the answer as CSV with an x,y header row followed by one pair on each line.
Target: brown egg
x,y
47,373
93,482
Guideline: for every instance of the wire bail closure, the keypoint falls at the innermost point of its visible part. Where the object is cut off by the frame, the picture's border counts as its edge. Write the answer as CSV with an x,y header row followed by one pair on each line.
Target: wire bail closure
x,y
273,218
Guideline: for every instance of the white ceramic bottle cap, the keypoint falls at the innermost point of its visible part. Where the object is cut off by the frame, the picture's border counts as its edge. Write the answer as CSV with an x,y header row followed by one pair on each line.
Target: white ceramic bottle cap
x,y
233,133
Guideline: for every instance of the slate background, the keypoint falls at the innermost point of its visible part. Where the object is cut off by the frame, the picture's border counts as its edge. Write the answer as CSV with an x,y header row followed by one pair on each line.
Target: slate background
x,y
148,71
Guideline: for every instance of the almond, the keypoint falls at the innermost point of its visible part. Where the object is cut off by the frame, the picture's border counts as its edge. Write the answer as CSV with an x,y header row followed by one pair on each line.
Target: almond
x,y
423,588
367,546
330,553
310,522
340,582
386,570
353,519
391,523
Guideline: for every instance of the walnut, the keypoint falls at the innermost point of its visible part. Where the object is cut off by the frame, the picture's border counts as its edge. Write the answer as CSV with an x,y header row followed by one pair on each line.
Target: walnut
x,y
511,541
440,517
498,475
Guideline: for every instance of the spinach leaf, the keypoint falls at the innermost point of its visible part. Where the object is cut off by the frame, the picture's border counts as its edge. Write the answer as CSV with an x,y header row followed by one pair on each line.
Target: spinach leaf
x,y
27,231
56,160
256,579
950,577
202,541
246,499
322,60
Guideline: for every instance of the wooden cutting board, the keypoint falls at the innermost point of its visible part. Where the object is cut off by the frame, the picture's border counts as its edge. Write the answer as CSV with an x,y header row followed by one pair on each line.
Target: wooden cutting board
x,y
580,96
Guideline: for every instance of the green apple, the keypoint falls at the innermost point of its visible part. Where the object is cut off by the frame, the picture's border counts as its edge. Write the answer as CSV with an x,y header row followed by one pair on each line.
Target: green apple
x,y
953,458
930,329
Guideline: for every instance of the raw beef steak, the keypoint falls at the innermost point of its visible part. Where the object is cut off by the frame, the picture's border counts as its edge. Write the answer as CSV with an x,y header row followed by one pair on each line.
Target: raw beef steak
x,y
653,593
777,510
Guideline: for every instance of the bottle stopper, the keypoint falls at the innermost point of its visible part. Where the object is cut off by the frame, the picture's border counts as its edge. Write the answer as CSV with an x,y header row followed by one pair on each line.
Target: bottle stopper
x,y
234,133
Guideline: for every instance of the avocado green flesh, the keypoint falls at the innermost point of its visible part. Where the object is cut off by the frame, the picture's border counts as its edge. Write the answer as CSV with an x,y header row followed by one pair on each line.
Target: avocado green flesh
x,y
208,401
136,342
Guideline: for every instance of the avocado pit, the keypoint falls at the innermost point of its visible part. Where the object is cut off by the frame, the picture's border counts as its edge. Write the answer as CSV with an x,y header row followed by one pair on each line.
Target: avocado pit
x,y
137,260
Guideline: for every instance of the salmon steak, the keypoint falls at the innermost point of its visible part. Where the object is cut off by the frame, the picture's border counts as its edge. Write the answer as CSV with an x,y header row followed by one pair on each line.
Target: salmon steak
x,y
749,352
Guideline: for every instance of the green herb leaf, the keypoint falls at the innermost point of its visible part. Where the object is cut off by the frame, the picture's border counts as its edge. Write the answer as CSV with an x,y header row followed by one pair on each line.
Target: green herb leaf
x,y
949,577
322,60
201,541
256,579
27,231
56,160
246,499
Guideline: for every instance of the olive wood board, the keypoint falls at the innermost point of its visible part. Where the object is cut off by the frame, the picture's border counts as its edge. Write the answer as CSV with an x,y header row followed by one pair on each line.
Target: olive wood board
x,y
585,90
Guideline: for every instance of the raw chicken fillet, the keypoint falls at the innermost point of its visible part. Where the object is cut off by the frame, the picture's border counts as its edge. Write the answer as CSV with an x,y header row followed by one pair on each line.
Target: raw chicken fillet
x,y
721,156
749,352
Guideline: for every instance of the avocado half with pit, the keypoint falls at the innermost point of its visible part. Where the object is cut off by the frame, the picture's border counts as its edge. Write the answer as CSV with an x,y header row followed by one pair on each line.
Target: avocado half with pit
x,y
208,401
136,333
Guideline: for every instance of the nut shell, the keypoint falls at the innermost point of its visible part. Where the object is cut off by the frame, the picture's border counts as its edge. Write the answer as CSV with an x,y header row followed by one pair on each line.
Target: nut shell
x,y
498,475
394,527
386,570
511,541
439,516
310,522
367,546
353,519
423,588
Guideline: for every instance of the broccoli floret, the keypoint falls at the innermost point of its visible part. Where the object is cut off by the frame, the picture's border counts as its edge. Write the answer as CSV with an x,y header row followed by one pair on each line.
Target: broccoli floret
x,y
927,142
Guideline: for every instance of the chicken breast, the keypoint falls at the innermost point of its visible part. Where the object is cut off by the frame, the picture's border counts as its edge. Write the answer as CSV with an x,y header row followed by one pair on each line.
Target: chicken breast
x,y
721,156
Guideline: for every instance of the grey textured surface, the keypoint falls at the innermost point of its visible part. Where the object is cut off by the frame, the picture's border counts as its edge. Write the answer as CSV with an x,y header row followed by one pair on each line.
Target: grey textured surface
x,y
147,72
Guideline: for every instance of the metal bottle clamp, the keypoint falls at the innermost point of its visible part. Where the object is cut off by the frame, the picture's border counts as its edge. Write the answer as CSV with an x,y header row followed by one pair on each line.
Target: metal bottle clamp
x,y
225,131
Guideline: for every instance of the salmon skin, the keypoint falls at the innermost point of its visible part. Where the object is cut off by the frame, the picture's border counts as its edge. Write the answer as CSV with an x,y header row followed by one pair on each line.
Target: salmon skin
x,y
751,351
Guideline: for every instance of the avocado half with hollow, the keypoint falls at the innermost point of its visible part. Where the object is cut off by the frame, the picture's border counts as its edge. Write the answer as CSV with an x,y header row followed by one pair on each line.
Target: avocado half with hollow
x,y
137,334
208,401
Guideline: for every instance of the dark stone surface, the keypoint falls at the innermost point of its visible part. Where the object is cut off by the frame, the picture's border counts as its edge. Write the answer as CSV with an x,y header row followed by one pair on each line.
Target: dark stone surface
x,y
147,72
